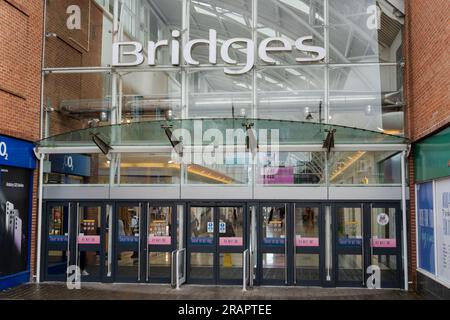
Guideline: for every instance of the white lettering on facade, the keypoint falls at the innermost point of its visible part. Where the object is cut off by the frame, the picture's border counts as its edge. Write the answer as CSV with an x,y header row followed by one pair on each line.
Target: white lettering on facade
x,y
130,54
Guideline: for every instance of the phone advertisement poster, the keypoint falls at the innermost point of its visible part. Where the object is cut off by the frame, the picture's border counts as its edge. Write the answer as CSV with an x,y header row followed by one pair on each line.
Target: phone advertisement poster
x,y
14,205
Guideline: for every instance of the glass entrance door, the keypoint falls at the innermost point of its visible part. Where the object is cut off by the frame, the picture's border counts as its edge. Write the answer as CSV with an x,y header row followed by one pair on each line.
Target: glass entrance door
x,y
76,235
309,244
59,241
367,234
91,240
215,244
385,243
350,251
274,251
161,240
128,262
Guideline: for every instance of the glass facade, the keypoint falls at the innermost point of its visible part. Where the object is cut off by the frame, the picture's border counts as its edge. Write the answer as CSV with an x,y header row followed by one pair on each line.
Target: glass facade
x,y
358,84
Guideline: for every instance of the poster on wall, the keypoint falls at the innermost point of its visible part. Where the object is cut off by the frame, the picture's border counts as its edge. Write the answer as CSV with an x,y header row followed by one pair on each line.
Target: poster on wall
x,y
443,229
425,226
14,203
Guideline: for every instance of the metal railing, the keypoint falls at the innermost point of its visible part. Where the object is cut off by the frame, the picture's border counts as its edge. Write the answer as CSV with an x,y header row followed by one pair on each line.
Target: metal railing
x,y
178,268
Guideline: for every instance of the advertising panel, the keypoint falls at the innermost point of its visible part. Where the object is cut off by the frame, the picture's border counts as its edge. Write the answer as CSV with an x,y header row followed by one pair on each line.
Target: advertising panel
x,y
443,229
425,226
14,203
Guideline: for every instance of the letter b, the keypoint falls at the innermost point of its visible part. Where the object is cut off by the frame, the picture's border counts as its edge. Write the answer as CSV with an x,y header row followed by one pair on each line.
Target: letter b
x,y
136,53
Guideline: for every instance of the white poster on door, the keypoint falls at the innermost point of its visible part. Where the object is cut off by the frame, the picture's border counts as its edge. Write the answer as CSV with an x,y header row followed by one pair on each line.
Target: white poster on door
x,y
443,228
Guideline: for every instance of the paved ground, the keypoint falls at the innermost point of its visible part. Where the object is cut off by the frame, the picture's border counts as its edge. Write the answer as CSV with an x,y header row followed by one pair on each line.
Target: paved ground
x,y
97,291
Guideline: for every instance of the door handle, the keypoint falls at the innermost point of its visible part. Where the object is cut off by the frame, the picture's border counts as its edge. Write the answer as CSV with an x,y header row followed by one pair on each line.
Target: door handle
x,y
363,258
145,233
285,245
295,246
68,236
370,233
139,242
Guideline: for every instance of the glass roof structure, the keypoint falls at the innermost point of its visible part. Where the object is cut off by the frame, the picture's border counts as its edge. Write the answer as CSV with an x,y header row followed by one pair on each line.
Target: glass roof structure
x,y
153,133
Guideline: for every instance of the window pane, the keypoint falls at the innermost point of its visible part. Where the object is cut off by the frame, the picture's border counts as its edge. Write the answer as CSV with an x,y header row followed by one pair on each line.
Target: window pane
x,y
148,168
307,227
201,266
231,226
160,226
151,96
294,168
291,19
57,263
291,94
144,21
230,266
349,267
78,169
128,224
220,170
127,265
349,227
364,31
274,266
231,19
159,265
369,97
214,94
274,229
384,233
76,101
307,267
202,226
364,168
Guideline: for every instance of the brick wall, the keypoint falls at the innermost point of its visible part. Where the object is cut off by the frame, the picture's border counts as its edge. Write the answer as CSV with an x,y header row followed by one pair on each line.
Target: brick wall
x,y
72,48
21,24
428,67
427,39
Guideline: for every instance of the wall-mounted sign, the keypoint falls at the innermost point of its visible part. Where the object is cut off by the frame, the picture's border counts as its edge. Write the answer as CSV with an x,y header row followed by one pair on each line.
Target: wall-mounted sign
x,y
131,54
71,164
16,153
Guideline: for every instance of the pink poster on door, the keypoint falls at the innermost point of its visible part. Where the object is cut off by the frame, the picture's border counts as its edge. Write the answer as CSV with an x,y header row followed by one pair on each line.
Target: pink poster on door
x,y
164,241
306,242
231,241
384,243
82,239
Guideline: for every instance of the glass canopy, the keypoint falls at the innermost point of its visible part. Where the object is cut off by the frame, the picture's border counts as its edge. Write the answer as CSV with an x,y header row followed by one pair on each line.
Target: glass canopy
x,y
218,131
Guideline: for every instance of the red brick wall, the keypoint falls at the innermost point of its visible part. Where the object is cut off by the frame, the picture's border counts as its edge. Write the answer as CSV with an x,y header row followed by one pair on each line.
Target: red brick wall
x,y
21,23
427,39
428,67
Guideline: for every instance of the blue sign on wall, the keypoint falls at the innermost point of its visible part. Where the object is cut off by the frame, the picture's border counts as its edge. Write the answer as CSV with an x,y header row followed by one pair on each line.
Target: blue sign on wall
x,y
17,153
72,164
425,226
